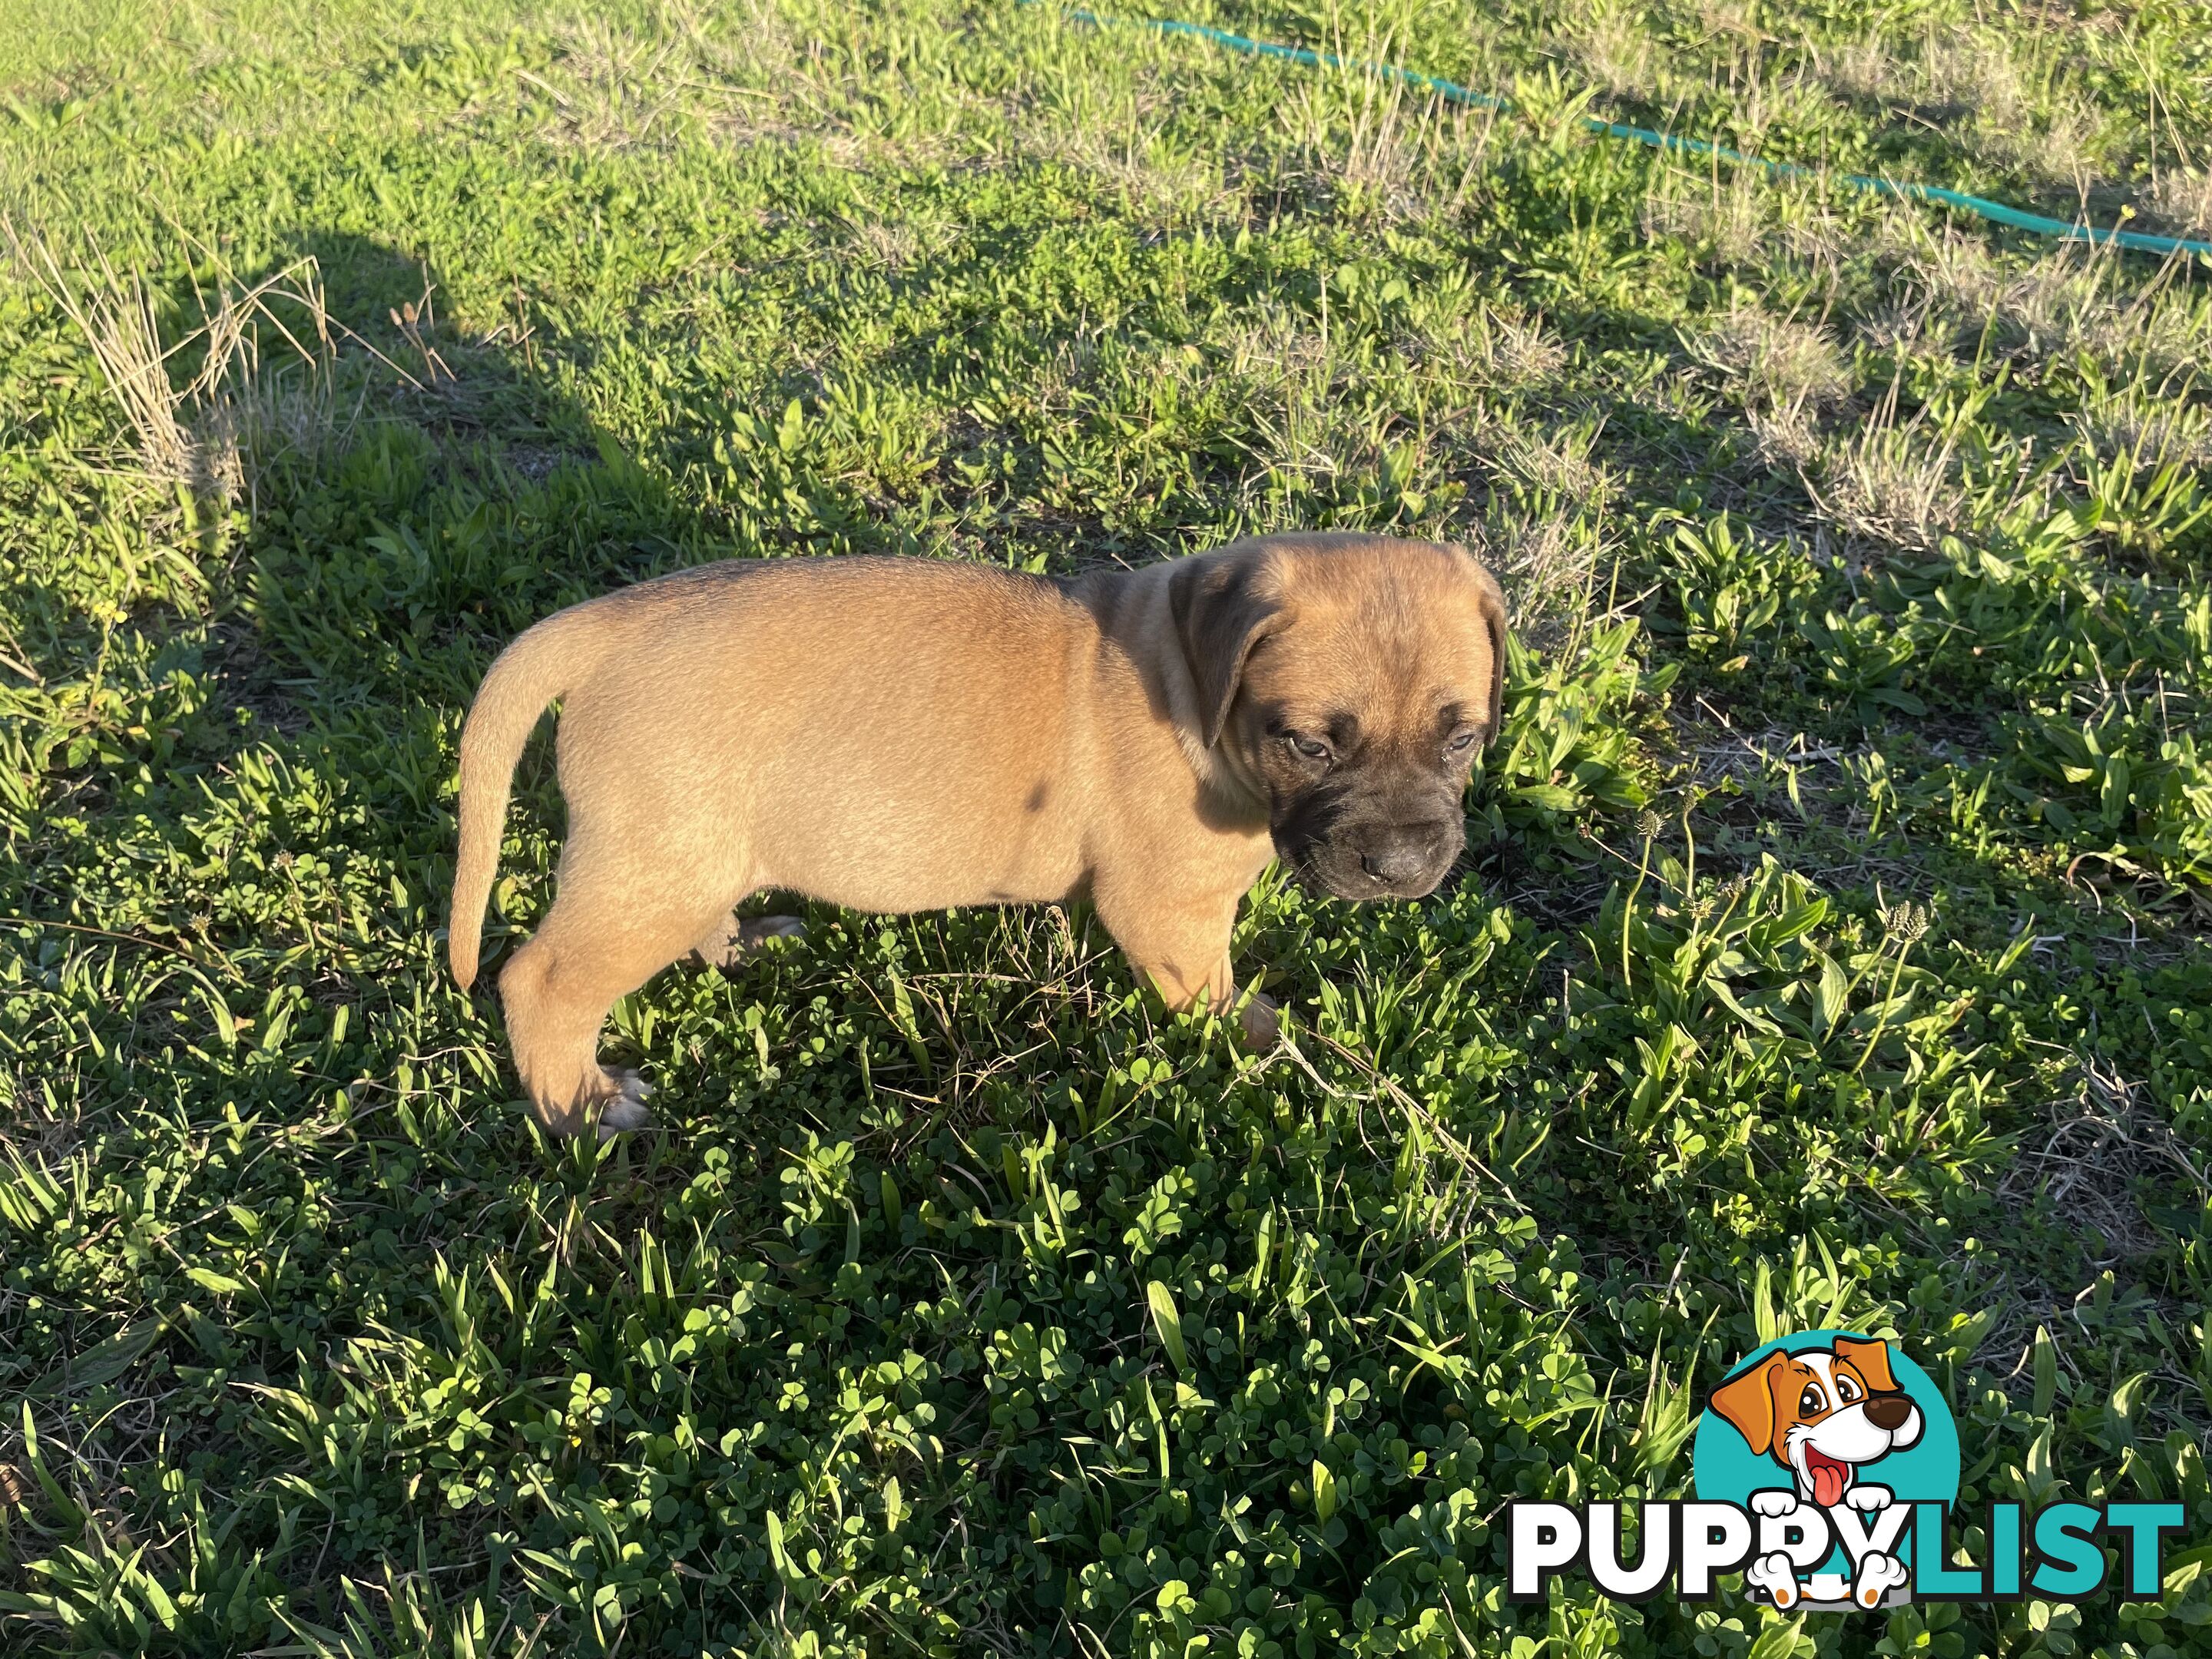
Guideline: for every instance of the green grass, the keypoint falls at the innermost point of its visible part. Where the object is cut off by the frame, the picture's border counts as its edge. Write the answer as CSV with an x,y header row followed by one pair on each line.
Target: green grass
x,y
1829,950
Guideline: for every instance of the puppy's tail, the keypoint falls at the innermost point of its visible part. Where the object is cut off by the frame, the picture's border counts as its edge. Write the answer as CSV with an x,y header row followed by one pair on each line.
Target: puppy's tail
x,y
541,665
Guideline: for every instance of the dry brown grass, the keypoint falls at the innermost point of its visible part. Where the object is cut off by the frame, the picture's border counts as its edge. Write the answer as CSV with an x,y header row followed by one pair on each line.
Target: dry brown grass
x,y
1523,352
1898,323
613,90
1280,371
1613,52
2063,301
1972,83
1549,568
1545,529
1779,361
897,246
1861,68
2169,333
1894,484
2154,427
204,409
1125,142
1966,72
740,70
1557,462
744,72
2184,200
1948,74
2092,1158
1723,218
2055,304
2066,147
1380,146
1491,347
1736,216
1783,438
1727,18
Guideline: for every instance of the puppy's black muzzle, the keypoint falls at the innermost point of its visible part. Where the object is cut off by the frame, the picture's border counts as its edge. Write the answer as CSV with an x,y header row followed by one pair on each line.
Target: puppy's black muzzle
x,y
1358,850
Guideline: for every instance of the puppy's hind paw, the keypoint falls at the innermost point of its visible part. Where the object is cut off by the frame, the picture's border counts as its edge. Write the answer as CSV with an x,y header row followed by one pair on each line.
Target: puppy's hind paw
x,y
626,1111
732,940
1262,1024
622,1117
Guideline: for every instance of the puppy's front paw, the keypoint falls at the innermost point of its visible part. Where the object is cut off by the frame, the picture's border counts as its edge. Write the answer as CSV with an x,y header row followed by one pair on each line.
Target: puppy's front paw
x,y
1774,1574
1775,1501
1878,1576
1261,1022
1868,1498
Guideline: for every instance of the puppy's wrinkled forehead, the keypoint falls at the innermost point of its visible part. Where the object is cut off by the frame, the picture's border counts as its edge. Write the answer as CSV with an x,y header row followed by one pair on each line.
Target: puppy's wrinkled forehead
x,y
1385,634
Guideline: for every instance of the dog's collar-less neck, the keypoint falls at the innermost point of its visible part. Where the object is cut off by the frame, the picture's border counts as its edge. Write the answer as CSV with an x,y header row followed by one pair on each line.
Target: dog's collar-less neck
x,y
1221,772
1224,775
1233,775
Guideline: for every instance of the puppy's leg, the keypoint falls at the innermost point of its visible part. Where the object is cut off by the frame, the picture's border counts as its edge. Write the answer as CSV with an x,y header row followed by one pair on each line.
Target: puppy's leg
x,y
1180,943
730,941
599,943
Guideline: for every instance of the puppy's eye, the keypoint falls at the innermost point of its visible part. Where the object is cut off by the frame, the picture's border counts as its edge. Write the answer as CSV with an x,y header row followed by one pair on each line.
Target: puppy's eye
x,y
1846,1390
1306,746
1811,1400
1461,742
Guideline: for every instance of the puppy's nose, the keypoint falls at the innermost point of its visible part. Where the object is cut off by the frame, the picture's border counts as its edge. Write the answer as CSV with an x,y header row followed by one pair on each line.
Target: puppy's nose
x,y
1888,1411
1402,854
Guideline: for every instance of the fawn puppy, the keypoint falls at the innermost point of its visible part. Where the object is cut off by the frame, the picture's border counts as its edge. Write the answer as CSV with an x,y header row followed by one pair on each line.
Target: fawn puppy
x,y
897,735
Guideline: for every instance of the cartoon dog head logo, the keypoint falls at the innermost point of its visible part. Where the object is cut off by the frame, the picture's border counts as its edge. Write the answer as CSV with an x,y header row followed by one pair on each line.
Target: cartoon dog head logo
x,y
1824,1414
1827,1440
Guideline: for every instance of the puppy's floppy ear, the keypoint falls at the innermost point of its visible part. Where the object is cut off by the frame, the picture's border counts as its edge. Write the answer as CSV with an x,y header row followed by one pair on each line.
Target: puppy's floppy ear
x,y
1871,1360
1748,1402
1490,600
1220,614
